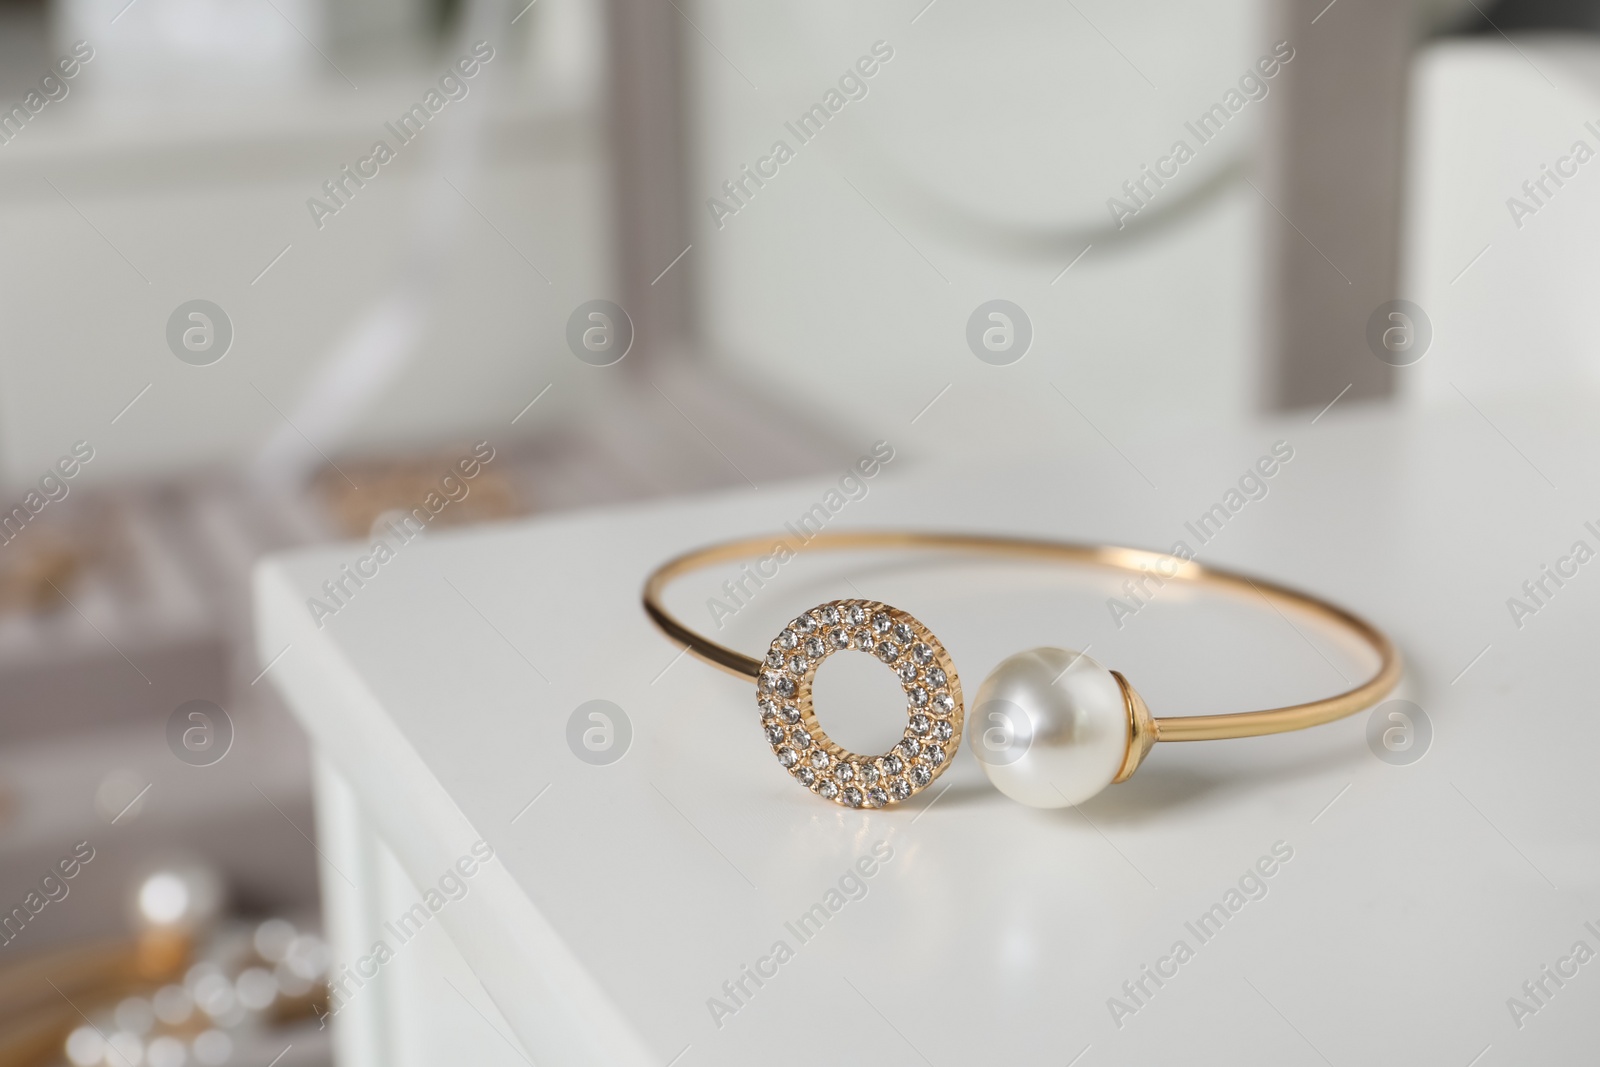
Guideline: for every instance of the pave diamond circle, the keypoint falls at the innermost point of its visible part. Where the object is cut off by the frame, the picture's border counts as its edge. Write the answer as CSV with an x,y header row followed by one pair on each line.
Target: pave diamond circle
x,y
927,677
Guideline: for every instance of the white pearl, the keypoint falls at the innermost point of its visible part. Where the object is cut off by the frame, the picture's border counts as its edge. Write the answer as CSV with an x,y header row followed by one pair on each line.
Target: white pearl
x,y
1050,727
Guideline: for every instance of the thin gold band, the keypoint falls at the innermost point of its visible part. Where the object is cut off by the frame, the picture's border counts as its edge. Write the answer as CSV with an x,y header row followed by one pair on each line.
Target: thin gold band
x,y
1136,560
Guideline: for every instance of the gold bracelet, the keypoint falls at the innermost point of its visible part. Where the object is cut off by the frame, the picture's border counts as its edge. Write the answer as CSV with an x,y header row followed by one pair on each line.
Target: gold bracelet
x,y
1059,727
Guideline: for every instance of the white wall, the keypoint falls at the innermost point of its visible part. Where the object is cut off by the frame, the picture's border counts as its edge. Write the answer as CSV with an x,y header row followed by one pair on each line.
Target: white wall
x,y
116,207
1487,116
847,281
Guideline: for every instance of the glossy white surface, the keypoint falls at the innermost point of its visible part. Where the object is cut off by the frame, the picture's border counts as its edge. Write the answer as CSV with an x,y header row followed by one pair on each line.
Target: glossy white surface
x,y
1404,905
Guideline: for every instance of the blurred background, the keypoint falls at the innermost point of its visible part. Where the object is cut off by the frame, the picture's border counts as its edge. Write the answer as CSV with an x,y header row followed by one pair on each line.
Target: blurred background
x,y
231,323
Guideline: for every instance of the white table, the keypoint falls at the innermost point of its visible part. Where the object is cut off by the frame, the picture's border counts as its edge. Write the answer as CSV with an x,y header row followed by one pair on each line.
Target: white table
x,y
1418,899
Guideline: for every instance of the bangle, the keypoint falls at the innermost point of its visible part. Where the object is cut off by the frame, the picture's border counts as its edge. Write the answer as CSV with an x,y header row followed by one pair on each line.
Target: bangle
x,y
1057,727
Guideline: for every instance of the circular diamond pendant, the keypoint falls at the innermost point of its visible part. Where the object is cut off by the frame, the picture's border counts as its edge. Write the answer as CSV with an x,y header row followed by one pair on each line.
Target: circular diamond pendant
x,y
926,675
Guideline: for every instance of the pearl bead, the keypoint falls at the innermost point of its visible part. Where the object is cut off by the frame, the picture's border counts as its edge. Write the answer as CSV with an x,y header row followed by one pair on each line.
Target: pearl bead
x,y
1050,727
